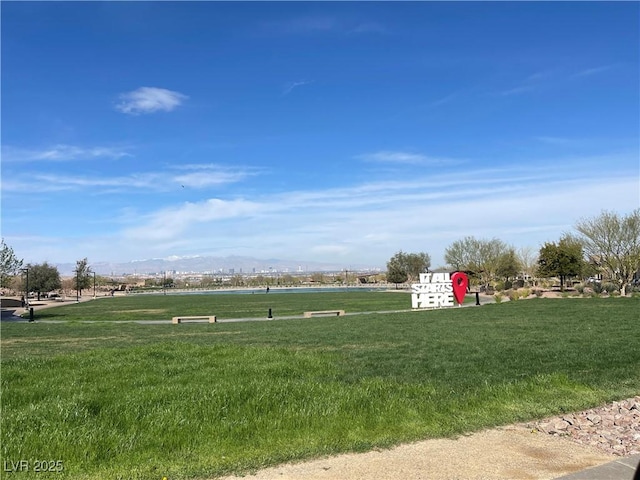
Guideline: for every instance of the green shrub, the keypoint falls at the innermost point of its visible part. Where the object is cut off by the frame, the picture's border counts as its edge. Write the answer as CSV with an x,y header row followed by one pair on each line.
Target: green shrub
x,y
500,286
610,288
580,288
514,295
524,293
568,294
597,287
537,292
498,297
508,285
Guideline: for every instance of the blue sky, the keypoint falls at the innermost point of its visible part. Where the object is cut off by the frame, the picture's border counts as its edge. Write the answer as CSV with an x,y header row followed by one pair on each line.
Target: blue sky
x,y
329,131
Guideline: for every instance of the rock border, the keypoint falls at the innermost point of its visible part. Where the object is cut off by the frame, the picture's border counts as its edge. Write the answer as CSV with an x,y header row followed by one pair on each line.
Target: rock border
x,y
613,428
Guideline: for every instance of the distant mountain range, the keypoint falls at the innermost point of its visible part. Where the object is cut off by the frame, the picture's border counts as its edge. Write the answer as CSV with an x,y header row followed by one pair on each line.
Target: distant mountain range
x,y
208,264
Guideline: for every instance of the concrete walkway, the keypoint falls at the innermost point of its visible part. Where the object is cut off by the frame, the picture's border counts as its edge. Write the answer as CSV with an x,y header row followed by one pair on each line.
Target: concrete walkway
x,y
626,468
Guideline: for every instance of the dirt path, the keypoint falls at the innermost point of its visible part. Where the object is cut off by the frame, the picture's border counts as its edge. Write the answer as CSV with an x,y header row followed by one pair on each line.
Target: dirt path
x,y
514,452
544,449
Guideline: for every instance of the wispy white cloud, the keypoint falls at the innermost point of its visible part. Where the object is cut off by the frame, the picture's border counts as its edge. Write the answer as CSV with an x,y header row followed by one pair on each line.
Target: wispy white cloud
x,y
533,82
545,79
291,85
339,250
369,27
62,153
587,72
172,222
313,23
369,214
517,90
149,100
444,100
585,144
196,176
47,182
319,24
209,174
374,219
408,158
555,140
539,76
277,226
302,25
368,222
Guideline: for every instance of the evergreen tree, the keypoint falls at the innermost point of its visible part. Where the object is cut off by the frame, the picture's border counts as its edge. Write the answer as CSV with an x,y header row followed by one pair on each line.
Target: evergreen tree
x,y
563,259
43,278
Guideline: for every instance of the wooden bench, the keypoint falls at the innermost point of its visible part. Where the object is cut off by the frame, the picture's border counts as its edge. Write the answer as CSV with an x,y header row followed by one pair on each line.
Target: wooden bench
x,y
339,313
211,318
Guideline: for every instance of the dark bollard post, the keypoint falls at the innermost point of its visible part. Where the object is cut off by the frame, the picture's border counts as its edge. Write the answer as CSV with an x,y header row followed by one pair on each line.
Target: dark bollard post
x,y
31,314
477,298
270,316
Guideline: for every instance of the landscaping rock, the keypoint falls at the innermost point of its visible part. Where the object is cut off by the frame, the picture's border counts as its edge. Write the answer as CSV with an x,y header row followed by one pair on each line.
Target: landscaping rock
x,y
613,428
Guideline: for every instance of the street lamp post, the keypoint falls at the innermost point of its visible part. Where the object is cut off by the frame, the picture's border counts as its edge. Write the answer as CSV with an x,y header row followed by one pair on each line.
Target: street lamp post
x,y
26,288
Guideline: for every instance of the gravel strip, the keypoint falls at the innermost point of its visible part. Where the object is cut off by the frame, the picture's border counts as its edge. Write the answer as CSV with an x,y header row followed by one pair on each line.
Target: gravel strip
x,y
613,428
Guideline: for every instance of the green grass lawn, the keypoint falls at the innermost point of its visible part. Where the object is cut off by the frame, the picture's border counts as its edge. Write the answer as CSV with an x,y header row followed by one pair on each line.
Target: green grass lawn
x,y
123,400
158,307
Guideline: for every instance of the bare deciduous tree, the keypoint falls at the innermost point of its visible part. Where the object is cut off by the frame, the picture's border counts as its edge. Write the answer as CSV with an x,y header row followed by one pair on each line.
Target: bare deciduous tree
x,y
528,259
481,258
613,243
